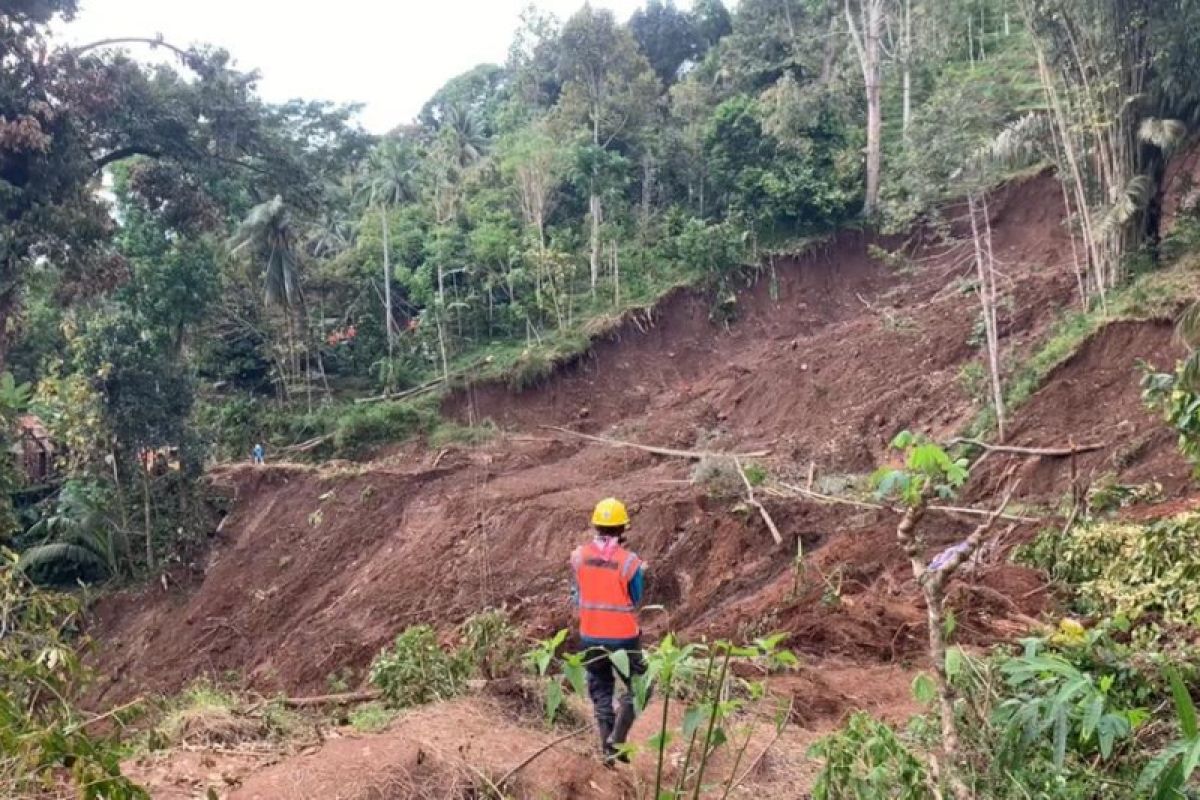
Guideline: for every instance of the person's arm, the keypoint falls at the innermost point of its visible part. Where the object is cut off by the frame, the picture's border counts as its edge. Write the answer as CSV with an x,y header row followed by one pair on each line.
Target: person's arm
x,y
637,585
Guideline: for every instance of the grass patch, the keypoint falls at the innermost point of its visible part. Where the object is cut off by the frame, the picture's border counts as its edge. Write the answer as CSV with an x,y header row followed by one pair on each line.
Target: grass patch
x,y
372,718
453,433
205,715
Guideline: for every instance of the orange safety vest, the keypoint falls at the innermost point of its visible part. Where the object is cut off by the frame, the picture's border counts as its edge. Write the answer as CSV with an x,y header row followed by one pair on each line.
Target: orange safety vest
x,y
605,609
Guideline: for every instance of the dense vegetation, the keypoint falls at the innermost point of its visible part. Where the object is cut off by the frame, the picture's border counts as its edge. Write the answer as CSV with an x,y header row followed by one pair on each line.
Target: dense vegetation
x,y
188,269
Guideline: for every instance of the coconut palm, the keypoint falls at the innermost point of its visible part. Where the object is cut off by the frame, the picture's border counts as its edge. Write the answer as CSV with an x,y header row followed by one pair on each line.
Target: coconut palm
x,y
266,236
465,132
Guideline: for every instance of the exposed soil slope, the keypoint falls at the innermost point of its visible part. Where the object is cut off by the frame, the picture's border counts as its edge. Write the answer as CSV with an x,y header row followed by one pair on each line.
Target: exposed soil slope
x,y
315,570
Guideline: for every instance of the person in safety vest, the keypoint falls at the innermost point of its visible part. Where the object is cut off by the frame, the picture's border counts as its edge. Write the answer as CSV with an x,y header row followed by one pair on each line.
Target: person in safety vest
x,y
608,588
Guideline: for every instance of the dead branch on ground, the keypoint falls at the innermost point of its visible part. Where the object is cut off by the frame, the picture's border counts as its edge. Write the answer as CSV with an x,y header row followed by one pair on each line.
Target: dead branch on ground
x,y
529,760
752,500
1052,452
846,501
344,699
694,455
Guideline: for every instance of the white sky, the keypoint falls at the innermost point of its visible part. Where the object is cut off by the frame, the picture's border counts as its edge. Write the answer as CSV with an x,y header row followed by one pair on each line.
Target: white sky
x,y
391,56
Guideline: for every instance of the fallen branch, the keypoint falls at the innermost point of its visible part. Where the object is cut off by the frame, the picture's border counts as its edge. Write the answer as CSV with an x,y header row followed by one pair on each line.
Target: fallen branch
x,y
331,699
78,726
304,447
1053,452
320,700
829,498
509,775
694,455
752,500
758,760
424,387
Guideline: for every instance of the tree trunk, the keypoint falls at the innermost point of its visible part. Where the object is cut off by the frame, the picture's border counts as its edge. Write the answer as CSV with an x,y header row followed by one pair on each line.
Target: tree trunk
x,y
389,325
831,46
868,47
146,512
987,299
907,67
442,346
874,107
594,212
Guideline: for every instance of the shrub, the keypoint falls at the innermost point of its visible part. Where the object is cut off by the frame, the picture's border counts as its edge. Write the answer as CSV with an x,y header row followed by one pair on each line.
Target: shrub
x,y
866,759
375,423
416,670
491,645
1133,570
43,741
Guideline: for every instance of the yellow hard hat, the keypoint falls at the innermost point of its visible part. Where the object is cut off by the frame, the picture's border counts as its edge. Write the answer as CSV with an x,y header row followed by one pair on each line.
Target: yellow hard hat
x,y
610,513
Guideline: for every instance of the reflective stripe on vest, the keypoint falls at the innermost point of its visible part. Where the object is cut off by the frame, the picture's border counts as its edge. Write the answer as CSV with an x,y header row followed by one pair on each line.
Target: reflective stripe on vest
x,y
606,610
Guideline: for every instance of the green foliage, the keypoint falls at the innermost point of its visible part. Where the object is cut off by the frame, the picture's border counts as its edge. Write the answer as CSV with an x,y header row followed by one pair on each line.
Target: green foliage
x,y
362,426
1106,494
491,644
867,760
371,718
797,186
718,703
417,670
79,539
1168,774
1135,570
43,735
1052,705
1180,407
927,470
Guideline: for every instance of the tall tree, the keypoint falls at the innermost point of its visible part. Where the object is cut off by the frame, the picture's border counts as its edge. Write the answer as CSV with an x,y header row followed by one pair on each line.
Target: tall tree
x,y
866,23
612,85
668,37
390,180
70,113
266,239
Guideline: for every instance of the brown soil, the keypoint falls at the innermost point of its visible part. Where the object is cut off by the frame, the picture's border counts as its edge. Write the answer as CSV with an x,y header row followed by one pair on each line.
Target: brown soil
x,y
1094,397
832,354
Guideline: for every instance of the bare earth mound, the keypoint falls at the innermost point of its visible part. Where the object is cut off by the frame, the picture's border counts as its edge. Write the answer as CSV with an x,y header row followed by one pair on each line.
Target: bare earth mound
x,y
315,570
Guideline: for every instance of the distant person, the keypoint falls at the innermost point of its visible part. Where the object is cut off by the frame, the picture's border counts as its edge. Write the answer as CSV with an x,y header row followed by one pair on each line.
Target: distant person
x,y
258,455
608,588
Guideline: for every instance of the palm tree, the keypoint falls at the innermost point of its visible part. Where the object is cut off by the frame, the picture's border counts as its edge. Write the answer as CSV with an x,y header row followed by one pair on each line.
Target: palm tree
x,y
390,181
267,237
78,537
466,135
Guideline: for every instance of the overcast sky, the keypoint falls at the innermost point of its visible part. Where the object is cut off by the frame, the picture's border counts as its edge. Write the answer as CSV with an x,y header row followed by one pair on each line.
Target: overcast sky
x,y
391,56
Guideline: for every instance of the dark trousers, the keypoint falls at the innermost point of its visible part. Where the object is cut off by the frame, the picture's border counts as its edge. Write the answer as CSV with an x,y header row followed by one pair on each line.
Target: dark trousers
x,y
614,718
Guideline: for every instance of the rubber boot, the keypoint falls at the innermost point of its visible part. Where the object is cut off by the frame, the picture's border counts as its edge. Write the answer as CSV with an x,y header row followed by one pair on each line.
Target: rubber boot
x,y
625,717
607,751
